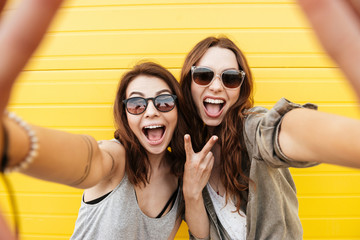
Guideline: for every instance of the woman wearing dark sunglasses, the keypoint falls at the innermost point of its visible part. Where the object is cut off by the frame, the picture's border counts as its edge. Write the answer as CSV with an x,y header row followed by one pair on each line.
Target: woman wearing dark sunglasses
x,y
132,182
138,195
238,185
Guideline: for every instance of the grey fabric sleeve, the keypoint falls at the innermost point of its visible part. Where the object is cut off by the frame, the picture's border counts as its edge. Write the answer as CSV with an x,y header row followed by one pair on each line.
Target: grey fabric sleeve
x,y
262,129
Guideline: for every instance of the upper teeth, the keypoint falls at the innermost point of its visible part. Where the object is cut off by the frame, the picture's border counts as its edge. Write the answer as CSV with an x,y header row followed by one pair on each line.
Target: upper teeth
x,y
214,101
153,126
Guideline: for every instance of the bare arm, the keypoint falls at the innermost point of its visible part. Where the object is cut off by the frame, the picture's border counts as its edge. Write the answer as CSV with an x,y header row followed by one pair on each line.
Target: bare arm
x,y
20,34
308,135
314,136
337,25
19,37
197,172
70,159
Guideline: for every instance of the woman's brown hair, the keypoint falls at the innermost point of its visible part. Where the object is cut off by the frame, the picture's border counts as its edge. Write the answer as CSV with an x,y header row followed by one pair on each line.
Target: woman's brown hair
x,y
137,164
235,163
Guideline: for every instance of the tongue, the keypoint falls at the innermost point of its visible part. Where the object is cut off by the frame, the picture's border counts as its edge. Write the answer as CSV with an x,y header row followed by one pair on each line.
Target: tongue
x,y
212,108
155,134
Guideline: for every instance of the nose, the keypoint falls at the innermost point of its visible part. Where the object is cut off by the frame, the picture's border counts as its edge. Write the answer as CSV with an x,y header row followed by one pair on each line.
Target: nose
x,y
151,110
216,84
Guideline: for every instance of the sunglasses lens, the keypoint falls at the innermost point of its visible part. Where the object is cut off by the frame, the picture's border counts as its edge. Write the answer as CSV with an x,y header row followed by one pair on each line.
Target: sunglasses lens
x,y
136,105
203,76
164,103
232,78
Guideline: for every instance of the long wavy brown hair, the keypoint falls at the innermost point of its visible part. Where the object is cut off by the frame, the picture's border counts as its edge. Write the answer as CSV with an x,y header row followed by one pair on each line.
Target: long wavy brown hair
x,y
137,164
235,164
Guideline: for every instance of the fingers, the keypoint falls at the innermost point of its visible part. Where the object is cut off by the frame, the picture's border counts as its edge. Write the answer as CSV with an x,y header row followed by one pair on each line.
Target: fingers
x,y
188,146
209,161
204,169
337,25
208,146
203,153
197,168
203,160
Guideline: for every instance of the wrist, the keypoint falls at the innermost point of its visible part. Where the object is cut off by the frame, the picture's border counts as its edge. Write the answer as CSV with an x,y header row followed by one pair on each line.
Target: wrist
x,y
193,196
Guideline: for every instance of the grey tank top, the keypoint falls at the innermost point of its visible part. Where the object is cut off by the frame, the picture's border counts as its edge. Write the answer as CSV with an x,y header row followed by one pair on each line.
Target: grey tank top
x,y
119,216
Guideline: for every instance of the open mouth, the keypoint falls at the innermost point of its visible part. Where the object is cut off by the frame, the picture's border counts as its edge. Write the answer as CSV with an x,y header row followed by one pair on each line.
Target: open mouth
x,y
213,107
154,133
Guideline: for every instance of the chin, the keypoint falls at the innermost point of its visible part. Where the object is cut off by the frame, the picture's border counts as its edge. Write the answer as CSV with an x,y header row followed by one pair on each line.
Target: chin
x,y
213,122
156,150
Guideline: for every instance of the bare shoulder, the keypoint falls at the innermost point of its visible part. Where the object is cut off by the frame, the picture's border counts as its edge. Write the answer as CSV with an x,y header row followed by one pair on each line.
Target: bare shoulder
x,y
112,146
113,162
114,151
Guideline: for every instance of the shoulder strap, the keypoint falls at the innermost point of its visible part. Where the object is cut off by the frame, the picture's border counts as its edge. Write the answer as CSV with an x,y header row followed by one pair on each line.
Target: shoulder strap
x,y
171,200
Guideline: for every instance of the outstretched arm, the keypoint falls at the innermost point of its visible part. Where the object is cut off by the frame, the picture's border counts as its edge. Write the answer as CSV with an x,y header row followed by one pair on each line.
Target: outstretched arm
x,y
70,159
20,34
19,37
337,25
308,135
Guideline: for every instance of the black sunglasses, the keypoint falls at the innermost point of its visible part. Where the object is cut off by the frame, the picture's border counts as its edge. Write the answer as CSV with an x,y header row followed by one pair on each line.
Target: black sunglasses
x,y
230,78
138,105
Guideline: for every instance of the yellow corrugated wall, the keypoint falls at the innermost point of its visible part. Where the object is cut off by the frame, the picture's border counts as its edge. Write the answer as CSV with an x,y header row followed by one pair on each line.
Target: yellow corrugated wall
x,y
70,83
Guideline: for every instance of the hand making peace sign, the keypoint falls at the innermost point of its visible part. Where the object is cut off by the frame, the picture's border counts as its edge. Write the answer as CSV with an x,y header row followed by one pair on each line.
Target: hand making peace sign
x,y
197,172
198,167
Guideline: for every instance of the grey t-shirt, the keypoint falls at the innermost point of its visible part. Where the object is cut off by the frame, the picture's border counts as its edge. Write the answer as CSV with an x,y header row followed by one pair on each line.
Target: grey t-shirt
x,y
118,216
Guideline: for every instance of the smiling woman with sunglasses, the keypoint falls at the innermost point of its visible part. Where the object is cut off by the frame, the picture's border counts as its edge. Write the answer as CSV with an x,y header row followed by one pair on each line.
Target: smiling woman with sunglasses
x,y
142,184
238,185
132,183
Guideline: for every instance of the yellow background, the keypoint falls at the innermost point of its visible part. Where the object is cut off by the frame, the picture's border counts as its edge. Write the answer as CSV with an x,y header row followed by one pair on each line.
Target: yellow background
x,y
70,83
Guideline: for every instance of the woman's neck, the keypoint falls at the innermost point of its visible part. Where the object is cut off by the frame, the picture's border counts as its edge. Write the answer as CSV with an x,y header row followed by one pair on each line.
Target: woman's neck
x,y
157,161
159,171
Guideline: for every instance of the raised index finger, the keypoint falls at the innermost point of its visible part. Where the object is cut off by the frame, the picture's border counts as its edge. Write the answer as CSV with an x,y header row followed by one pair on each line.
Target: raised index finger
x,y
208,146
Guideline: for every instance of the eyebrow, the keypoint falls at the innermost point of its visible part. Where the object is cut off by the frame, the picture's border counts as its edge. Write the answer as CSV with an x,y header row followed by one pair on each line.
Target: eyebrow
x,y
157,93
230,68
